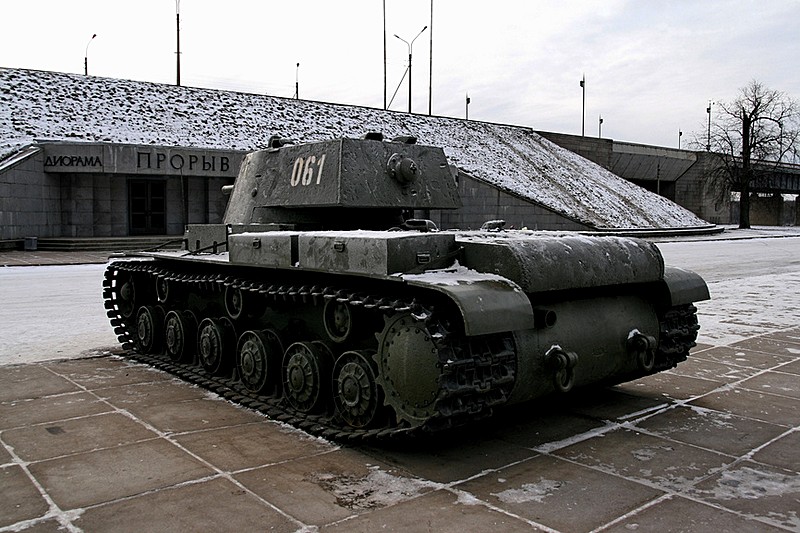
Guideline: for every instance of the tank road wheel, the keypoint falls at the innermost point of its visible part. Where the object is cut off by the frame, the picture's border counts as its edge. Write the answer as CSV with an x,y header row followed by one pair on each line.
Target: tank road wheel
x,y
216,340
408,368
126,299
258,358
306,375
149,333
338,320
180,335
355,389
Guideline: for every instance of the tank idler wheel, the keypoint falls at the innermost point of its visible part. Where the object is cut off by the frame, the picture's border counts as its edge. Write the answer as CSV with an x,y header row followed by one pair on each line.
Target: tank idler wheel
x,y
563,366
180,335
216,340
355,390
258,358
338,320
306,375
162,289
126,300
149,333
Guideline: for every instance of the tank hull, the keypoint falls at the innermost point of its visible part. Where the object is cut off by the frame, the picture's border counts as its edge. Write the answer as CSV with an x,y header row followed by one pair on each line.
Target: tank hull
x,y
363,349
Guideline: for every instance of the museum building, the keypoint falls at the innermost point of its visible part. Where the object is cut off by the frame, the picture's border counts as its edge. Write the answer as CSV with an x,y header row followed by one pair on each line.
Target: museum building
x,y
95,157
69,189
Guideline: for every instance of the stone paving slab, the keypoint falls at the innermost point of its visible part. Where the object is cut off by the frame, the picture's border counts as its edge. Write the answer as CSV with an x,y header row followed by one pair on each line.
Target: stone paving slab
x,y
104,444
674,513
215,504
45,257
559,494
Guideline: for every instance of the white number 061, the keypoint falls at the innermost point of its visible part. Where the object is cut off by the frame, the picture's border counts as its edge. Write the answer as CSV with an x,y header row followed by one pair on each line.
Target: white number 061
x,y
304,170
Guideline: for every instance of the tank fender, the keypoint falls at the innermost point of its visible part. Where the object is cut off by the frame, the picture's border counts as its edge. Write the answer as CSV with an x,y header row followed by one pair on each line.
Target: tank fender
x,y
488,303
683,287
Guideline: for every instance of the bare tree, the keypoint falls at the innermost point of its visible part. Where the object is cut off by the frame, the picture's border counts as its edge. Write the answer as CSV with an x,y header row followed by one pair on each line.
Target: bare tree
x,y
752,136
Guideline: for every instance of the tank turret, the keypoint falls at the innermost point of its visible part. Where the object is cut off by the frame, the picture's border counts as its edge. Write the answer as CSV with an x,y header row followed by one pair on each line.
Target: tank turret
x,y
341,184
319,302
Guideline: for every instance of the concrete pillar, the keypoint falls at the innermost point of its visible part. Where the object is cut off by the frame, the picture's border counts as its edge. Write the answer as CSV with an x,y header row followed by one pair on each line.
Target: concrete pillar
x,y
797,210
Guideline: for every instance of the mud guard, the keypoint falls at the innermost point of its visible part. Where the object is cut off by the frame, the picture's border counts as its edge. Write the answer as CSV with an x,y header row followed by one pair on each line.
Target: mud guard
x,y
683,287
488,303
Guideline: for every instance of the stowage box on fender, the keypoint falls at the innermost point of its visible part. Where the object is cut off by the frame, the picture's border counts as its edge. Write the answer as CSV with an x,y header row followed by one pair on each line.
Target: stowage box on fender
x,y
374,253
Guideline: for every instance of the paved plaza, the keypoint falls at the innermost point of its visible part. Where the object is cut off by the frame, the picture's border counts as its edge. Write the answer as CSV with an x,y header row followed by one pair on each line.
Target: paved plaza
x,y
104,444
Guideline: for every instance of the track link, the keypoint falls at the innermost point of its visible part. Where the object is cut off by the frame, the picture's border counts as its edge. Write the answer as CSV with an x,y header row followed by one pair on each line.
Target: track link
x,y
678,334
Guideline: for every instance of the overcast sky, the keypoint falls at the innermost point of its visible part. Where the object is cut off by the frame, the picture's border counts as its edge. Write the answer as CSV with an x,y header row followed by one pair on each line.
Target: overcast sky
x,y
651,66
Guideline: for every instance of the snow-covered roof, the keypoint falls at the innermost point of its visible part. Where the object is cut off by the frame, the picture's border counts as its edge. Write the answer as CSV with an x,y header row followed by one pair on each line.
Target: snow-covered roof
x,y
38,105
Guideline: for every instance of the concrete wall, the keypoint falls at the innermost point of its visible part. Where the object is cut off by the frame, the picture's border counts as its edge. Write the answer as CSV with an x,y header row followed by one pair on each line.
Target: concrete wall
x,y
772,210
37,204
694,189
29,200
592,148
81,190
697,191
482,202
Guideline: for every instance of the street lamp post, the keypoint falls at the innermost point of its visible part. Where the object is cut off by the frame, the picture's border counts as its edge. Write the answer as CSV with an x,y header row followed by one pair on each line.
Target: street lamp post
x,y
86,56
680,134
178,38
600,127
410,46
708,139
466,116
297,82
430,67
583,111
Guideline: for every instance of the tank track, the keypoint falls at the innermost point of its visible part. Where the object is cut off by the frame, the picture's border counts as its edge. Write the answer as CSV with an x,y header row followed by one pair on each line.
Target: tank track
x,y
477,374
678,334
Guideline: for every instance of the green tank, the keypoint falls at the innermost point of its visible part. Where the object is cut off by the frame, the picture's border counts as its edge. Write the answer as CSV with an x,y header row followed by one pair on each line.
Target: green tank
x,y
321,301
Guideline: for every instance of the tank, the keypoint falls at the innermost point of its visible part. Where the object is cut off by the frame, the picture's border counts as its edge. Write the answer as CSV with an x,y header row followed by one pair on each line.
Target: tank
x,y
323,302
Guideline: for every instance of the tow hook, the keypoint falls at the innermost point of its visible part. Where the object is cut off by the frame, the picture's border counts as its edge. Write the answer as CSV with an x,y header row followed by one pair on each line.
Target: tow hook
x,y
562,364
642,347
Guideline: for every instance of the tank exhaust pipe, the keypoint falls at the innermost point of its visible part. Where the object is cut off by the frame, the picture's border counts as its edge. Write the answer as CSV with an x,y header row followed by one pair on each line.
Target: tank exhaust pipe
x,y
544,318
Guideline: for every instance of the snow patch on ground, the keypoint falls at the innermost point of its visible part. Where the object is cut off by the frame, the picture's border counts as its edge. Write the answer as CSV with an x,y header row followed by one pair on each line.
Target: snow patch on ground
x,y
377,489
739,311
530,492
751,484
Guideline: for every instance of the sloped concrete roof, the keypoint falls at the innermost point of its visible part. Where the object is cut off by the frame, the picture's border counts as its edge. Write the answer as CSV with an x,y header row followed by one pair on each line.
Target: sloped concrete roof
x,y
40,105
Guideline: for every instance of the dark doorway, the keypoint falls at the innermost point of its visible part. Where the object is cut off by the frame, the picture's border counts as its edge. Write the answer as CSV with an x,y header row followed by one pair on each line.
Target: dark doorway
x,y
147,205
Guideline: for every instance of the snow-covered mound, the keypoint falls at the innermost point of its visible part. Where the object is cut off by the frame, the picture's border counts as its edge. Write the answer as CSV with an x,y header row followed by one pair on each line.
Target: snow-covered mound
x,y
37,105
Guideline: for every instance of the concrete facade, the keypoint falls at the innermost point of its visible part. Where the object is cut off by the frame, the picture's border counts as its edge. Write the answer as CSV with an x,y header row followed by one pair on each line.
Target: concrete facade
x,y
594,149
682,176
482,202
108,190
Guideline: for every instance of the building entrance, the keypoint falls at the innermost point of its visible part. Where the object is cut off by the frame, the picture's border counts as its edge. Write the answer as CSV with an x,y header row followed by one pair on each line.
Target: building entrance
x,y
147,207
